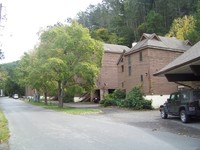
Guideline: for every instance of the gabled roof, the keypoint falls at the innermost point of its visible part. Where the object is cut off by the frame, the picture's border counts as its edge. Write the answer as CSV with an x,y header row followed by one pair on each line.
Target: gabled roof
x,y
113,48
190,56
164,43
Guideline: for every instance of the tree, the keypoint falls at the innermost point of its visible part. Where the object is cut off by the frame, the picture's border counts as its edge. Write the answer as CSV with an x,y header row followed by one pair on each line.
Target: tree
x,y
33,73
3,78
194,33
71,57
153,24
124,17
105,36
11,84
181,27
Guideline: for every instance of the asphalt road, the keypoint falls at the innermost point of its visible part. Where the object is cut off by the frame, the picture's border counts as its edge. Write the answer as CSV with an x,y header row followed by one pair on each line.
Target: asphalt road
x,y
34,128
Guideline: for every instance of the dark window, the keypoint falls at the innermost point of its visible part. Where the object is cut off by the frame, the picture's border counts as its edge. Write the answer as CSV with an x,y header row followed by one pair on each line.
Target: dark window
x,y
129,70
122,84
175,97
141,78
122,68
129,60
141,56
196,95
185,96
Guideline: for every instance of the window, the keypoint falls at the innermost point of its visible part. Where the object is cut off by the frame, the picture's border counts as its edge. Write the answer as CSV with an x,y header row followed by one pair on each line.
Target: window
x,y
129,60
141,58
141,78
122,84
122,68
129,70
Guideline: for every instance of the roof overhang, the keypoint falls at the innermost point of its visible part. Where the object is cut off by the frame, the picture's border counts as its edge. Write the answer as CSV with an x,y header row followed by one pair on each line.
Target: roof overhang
x,y
189,71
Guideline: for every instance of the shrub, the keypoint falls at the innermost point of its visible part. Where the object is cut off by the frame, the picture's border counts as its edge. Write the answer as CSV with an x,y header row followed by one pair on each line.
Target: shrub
x,y
135,100
108,101
119,94
113,99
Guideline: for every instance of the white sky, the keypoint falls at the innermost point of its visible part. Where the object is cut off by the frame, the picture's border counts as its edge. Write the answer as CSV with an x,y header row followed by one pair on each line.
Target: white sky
x,y
26,17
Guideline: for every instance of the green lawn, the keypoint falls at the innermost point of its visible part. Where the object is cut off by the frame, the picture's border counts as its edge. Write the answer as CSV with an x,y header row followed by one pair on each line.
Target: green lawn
x,y
4,131
69,110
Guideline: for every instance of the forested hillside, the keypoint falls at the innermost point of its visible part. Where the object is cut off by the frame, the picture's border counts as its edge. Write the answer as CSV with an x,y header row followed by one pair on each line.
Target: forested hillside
x,y
123,21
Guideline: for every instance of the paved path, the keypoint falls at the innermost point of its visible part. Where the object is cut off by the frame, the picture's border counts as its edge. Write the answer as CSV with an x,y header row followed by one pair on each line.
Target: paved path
x,y
34,128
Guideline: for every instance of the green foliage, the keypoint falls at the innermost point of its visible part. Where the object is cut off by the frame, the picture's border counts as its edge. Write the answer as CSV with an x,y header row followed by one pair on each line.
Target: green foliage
x,y
4,131
113,99
153,24
119,94
105,36
125,17
194,34
181,27
9,80
133,100
108,101
66,58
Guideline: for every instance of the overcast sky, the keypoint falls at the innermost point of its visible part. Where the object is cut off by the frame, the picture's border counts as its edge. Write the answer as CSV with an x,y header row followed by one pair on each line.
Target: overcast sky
x,y
26,17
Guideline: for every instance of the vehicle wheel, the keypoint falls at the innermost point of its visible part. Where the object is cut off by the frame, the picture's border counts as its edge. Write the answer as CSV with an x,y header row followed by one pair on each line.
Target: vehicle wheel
x,y
163,114
184,117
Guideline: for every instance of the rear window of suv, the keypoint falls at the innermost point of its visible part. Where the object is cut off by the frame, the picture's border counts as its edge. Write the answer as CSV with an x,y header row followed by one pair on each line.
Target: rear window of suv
x,y
185,96
196,95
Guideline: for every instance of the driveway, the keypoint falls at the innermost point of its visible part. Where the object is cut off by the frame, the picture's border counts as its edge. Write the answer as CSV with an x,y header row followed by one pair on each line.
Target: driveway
x,y
149,119
35,128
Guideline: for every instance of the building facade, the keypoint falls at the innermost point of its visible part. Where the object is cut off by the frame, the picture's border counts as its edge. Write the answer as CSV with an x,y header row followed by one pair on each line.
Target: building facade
x,y
108,79
150,54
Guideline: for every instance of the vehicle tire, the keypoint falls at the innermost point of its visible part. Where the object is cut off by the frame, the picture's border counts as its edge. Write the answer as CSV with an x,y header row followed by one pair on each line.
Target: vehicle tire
x,y
184,117
163,114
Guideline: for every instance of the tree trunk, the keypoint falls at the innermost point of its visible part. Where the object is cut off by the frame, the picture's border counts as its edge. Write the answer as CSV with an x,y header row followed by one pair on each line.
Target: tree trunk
x,y
60,100
62,92
45,98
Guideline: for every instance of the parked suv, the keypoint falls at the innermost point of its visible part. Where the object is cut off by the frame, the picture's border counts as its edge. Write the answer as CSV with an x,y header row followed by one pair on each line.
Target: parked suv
x,y
184,103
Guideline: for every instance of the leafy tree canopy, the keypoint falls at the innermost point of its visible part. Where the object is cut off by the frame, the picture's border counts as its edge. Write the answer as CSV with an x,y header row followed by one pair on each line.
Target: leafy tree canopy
x,y
194,33
128,19
66,55
181,27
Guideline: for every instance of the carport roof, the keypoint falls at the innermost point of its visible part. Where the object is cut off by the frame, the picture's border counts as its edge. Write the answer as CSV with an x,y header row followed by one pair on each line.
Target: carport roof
x,y
187,63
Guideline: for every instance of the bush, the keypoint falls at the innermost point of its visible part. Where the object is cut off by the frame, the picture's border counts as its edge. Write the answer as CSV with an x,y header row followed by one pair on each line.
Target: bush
x,y
135,100
113,99
119,94
108,101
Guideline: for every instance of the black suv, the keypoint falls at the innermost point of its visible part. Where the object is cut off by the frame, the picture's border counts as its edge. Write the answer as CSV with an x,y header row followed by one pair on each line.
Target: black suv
x,y
184,103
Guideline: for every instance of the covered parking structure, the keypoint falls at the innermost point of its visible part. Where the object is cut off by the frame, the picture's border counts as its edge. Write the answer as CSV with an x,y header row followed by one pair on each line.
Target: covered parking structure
x,y
185,69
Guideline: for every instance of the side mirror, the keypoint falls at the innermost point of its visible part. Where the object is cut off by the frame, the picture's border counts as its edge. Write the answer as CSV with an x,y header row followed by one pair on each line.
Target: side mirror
x,y
168,100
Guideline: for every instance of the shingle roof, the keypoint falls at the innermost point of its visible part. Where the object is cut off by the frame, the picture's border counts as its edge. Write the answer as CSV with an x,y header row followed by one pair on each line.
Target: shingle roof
x,y
192,54
165,43
115,48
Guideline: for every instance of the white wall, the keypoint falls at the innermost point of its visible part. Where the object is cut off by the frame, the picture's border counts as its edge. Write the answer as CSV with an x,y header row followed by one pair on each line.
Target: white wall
x,y
157,100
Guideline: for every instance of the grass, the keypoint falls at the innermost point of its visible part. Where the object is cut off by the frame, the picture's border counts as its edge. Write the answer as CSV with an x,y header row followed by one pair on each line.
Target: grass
x,y
4,131
69,110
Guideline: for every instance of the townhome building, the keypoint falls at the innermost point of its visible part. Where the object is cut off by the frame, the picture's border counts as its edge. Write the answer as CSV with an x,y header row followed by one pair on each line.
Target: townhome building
x,y
137,66
108,79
